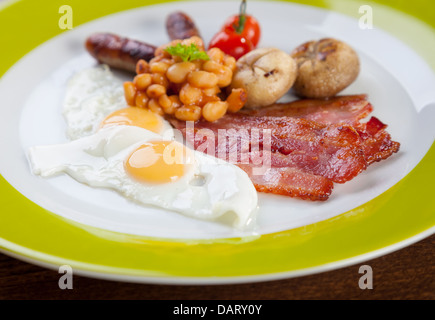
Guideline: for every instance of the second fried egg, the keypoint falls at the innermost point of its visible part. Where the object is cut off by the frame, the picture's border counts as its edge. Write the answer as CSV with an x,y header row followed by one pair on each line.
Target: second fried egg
x,y
95,99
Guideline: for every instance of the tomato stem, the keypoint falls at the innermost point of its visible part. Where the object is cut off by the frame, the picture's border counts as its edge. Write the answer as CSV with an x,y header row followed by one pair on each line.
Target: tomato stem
x,y
242,18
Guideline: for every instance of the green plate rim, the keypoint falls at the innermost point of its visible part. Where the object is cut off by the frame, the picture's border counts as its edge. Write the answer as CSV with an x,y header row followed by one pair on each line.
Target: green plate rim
x,y
400,216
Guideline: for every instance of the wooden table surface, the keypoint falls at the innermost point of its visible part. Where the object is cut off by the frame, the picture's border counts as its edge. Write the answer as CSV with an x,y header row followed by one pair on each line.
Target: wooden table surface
x,y
404,274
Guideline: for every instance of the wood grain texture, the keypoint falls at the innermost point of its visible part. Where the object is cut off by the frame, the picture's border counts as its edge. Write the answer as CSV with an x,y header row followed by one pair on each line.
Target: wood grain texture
x,y
404,274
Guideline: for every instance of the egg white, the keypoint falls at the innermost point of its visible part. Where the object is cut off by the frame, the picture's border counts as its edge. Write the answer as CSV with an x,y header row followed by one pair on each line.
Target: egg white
x,y
91,95
210,189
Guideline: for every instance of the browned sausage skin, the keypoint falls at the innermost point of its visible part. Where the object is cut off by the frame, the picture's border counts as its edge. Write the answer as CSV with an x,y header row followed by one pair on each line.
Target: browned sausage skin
x,y
180,26
118,52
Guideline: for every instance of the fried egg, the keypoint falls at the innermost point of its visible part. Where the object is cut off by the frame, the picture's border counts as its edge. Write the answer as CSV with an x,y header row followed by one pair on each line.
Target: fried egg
x,y
95,98
151,170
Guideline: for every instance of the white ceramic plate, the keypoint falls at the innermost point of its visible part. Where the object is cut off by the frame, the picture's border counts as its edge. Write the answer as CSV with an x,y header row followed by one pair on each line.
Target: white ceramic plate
x,y
77,228
36,111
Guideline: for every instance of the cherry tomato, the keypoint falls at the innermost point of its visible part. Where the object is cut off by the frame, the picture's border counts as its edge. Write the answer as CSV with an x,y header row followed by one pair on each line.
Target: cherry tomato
x,y
251,30
239,35
231,43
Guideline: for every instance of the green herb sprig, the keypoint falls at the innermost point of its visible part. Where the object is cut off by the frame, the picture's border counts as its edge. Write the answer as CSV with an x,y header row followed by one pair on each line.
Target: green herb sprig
x,y
187,53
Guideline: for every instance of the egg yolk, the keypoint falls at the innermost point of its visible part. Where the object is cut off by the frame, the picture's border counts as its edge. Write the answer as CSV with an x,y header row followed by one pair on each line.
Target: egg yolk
x,y
157,162
134,116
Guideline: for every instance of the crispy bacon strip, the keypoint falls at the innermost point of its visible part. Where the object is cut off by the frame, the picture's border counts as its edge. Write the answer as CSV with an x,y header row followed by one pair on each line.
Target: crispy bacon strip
x,y
279,178
377,142
333,151
291,182
342,109
313,143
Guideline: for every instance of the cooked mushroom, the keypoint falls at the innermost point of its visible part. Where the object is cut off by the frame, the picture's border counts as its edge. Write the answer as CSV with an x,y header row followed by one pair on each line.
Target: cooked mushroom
x,y
266,74
325,68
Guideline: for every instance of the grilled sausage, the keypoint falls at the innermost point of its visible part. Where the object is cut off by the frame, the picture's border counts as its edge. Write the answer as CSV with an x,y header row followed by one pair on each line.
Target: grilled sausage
x,y
180,26
118,52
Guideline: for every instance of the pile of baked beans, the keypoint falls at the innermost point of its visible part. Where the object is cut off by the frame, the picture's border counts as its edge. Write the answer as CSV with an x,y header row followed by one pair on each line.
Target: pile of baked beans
x,y
188,90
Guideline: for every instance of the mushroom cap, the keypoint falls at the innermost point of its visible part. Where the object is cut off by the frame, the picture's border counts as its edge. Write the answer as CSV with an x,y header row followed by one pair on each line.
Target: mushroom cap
x,y
266,74
325,68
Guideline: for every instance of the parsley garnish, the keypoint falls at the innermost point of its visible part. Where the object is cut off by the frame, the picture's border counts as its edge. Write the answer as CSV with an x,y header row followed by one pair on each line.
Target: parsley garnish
x,y
187,53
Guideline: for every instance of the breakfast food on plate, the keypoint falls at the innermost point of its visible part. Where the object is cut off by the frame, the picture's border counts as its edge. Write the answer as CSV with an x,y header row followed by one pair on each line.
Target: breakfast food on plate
x,y
376,141
132,150
185,81
123,138
314,143
94,98
325,68
244,24
141,166
332,151
118,52
290,182
180,26
124,53
266,74
239,35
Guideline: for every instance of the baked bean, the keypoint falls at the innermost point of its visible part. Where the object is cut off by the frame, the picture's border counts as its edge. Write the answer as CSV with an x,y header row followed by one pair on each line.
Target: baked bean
x,y
230,62
168,61
164,101
159,67
177,59
190,95
130,93
198,64
237,99
211,91
160,78
225,76
202,79
213,111
154,106
154,91
211,66
142,81
178,72
216,54
188,113
175,104
142,67
170,110
224,73
207,99
141,99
